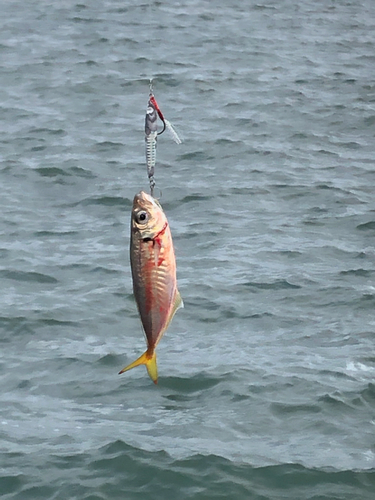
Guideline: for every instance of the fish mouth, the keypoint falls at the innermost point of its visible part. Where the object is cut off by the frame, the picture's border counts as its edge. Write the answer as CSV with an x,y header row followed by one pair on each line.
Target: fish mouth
x,y
142,196
144,200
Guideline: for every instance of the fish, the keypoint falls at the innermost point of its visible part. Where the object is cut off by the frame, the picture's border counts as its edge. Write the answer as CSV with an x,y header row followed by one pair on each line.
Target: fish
x,y
153,266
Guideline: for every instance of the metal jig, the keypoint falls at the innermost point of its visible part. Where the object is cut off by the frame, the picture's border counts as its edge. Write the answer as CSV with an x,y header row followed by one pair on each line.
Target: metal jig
x,y
151,134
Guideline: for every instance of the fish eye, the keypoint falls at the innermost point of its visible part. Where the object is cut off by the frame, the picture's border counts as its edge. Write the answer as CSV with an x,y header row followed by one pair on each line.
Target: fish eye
x,y
141,217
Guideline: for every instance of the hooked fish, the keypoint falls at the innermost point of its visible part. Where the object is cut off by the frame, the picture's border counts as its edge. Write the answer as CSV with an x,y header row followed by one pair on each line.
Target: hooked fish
x,y
153,266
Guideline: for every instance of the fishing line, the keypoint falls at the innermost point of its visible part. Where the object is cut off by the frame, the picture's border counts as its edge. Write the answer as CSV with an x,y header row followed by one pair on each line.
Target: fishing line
x,y
153,112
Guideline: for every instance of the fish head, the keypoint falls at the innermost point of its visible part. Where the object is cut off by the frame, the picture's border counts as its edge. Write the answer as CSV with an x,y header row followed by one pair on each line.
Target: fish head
x,y
148,218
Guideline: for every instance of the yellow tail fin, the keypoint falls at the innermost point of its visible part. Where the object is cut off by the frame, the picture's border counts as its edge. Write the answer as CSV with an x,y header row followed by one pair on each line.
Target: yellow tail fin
x,y
148,358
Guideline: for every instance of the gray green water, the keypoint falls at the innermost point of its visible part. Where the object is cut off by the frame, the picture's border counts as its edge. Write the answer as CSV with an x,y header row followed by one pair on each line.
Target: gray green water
x,y
267,377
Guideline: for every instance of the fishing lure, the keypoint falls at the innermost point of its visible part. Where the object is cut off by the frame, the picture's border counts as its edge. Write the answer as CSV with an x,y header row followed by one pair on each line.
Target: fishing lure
x,y
151,134
167,123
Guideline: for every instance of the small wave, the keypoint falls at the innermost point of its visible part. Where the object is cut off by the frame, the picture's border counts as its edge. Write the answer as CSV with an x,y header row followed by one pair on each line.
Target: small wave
x,y
357,272
108,201
111,360
190,385
14,325
226,142
248,191
28,277
43,130
327,153
335,402
89,20
368,394
13,483
275,285
41,234
167,79
195,197
200,156
202,302
369,121
367,226
108,145
283,409
58,322
105,270
214,477
82,172
51,172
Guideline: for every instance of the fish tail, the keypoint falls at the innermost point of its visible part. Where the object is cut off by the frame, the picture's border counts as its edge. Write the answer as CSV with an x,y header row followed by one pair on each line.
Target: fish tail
x,y
148,358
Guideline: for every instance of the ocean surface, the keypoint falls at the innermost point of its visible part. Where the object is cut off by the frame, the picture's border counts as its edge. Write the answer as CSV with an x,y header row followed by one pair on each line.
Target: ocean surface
x,y
267,376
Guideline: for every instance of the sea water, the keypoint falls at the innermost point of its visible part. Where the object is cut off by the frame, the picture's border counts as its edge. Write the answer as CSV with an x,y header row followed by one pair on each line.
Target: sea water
x,y
267,376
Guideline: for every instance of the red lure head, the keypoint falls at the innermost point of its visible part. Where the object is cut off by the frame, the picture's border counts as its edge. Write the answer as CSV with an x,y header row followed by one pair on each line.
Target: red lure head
x,y
156,106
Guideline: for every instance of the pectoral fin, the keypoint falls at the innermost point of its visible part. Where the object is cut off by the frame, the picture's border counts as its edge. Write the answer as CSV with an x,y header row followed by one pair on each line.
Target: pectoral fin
x,y
178,303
